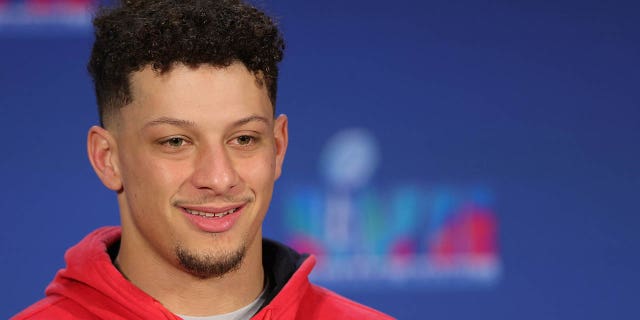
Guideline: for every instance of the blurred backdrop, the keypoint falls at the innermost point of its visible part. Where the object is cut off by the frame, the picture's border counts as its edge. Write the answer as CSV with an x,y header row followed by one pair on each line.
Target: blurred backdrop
x,y
447,159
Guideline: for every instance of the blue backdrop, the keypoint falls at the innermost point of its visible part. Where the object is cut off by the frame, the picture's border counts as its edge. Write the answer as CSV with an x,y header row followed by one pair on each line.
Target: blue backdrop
x,y
528,111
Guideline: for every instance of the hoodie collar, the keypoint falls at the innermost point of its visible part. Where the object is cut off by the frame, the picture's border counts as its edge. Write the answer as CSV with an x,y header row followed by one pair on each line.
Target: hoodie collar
x,y
91,280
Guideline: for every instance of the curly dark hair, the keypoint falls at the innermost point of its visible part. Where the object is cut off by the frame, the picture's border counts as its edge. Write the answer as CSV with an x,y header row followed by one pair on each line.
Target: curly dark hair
x,y
160,33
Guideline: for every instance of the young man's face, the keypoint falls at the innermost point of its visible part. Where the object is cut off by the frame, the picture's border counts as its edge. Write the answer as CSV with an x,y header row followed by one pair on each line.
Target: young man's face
x,y
198,152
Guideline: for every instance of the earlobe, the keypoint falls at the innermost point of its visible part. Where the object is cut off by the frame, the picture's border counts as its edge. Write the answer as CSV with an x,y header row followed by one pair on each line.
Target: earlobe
x,y
281,136
102,151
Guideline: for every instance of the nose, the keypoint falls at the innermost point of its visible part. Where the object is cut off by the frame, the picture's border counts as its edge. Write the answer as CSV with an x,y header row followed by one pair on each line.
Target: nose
x,y
215,171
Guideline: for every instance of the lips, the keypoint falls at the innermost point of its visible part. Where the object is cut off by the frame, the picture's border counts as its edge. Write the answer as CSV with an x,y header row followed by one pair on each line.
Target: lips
x,y
210,214
212,219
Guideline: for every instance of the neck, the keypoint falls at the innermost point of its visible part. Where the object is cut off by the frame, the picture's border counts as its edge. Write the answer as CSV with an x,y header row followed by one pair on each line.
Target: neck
x,y
183,293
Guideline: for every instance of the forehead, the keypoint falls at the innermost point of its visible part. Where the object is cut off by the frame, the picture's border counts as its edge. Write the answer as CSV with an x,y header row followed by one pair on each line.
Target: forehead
x,y
197,94
235,78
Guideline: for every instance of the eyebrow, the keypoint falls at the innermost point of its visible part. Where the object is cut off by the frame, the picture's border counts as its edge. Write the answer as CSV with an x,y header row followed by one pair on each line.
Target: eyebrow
x,y
170,121
249,119
186,123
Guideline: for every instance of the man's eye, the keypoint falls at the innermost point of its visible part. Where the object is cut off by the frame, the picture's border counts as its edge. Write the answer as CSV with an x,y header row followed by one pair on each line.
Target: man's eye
x,y
174,142
245,140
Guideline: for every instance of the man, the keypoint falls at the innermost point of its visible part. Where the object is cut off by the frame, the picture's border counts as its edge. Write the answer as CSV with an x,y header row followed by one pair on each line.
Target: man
x,y
190,144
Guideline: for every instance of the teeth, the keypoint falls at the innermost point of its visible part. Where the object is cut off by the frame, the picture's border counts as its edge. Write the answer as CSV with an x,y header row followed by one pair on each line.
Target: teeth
x,y
211,215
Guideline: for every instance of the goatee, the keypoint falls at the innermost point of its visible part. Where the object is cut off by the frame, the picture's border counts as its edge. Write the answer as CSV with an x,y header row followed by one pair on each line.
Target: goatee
x,y
206,265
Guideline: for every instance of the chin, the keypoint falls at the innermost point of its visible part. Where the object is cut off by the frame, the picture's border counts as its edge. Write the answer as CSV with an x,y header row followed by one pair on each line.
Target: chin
x,y
206,265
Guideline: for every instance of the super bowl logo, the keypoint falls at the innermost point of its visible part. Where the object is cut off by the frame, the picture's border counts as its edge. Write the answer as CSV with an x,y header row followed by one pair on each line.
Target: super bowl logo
x,y
404,233
43,14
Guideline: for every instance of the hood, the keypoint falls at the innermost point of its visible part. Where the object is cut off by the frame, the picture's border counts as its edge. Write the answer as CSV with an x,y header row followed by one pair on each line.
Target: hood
x,y
288,273
91,280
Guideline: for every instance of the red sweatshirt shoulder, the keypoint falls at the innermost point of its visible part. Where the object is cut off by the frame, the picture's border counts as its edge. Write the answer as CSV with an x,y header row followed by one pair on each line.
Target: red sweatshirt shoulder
x,y
320,303
54,307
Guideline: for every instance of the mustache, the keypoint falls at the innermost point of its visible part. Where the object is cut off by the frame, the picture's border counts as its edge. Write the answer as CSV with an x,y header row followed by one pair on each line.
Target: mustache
x,y
209,199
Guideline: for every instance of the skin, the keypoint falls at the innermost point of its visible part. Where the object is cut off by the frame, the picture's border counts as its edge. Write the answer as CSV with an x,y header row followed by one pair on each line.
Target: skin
x,y
202,138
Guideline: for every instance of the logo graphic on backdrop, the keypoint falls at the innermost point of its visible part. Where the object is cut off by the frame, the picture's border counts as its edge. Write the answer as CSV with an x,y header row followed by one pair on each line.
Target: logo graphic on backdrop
x,y
44,14
405,234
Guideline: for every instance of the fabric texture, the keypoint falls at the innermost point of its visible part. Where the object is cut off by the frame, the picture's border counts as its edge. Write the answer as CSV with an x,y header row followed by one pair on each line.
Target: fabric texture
x,y
90,287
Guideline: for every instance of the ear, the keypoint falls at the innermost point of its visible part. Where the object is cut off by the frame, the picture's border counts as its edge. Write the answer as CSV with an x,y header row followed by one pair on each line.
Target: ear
x,y
102,150
281,136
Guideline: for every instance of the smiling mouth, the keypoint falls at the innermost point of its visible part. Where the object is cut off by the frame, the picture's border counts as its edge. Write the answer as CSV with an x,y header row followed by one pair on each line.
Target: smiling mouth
x,y
211,214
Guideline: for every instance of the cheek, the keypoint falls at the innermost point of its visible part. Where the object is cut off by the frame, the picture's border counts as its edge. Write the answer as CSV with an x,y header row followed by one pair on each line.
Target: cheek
x,y
171,174
258,173
151,178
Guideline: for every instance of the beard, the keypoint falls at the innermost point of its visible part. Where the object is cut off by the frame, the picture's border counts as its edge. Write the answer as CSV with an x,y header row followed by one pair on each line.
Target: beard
x,y
207,265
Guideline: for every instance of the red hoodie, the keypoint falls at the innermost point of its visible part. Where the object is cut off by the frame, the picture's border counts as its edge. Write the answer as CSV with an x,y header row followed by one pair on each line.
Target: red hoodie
x,y
92,288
